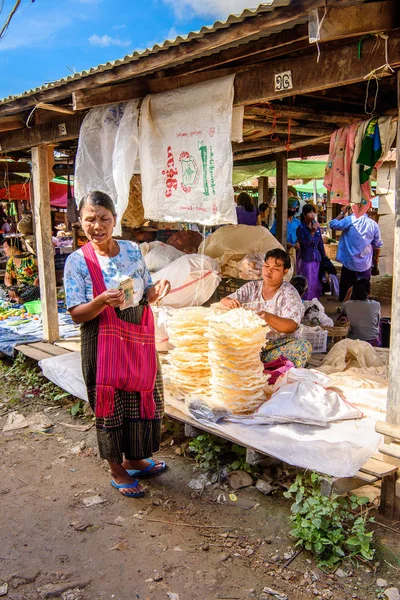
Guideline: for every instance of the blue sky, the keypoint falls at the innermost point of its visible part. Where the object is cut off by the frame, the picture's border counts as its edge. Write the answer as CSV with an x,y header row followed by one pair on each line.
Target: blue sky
x,y
49,39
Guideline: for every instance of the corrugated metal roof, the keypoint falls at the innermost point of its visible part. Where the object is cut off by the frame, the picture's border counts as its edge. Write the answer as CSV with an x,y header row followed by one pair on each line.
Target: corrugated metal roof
x,y
268,6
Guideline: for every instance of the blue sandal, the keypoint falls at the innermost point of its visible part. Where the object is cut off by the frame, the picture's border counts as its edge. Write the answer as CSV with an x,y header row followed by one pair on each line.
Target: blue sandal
x,y
133,485
147,472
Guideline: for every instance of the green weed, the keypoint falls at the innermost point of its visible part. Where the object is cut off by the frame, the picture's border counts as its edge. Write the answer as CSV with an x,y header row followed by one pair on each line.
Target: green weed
x,y
325,525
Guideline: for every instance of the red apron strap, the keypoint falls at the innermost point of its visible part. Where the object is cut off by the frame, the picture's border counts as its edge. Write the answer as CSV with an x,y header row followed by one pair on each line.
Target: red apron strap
x,y
93,266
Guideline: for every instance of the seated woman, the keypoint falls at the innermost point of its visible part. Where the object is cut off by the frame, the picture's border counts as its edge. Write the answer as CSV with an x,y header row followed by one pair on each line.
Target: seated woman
x,y
21,276
279,305
364,314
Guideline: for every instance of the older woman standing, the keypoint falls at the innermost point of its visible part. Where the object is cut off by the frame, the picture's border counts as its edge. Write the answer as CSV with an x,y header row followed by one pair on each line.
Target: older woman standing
x,y
119,361
279,304
311,253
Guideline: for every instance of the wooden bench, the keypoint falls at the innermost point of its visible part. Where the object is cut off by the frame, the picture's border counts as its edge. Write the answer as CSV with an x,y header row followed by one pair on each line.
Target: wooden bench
x,y
390,491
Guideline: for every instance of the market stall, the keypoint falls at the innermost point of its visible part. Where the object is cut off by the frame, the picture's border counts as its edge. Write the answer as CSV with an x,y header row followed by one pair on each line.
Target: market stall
x,y
266,69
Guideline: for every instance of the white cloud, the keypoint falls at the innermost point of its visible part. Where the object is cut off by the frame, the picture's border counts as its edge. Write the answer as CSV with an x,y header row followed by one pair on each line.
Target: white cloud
x,y
185,9
106,40
31,32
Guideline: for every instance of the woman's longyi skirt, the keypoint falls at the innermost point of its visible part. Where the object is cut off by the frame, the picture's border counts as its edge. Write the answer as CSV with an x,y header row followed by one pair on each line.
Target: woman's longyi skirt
x,y
310,270
125,434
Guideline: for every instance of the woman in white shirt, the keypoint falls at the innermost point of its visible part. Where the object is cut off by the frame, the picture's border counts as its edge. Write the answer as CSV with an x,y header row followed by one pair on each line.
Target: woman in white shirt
x,y
364,314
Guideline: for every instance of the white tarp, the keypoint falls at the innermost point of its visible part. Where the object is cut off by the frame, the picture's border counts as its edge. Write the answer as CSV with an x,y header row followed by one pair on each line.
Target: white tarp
x,y
338,449
108,153
186,154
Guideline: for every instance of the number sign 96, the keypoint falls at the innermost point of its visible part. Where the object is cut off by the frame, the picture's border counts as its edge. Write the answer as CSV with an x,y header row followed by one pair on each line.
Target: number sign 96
x,y
283,81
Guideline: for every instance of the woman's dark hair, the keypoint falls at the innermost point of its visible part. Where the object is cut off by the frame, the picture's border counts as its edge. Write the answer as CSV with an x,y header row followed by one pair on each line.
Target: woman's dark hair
x,y
14,242
263,207
307,209
97,199
300,283
244,199
361,289
281,255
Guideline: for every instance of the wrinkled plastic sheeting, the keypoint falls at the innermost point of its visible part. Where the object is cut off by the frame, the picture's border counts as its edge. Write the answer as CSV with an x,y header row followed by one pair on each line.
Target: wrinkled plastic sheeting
x,y
107,153
66,372
339,449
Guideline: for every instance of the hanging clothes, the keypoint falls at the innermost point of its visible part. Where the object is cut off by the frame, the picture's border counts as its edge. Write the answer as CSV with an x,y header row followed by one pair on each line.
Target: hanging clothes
x,y
371,150
338,169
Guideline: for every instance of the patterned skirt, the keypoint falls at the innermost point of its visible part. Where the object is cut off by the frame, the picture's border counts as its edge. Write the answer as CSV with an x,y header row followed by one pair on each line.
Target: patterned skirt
x,y
125,434
296,350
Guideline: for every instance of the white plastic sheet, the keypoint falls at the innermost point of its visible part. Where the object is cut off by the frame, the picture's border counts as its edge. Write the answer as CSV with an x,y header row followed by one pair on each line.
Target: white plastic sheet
x,y
339,449
107,153
186,154
66,372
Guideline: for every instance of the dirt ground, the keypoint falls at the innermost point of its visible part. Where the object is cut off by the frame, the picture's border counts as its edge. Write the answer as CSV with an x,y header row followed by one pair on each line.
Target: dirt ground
x,y
178,542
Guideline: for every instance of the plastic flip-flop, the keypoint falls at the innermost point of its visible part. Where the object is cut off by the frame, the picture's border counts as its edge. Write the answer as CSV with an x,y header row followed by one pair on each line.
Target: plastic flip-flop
x,y
133,485
147,472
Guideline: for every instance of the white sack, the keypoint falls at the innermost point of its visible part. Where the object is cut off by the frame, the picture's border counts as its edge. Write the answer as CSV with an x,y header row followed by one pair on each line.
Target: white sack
x,y
66,372
161,316
317,316
107,153
161,256
302,397
193,277
186,155
230,244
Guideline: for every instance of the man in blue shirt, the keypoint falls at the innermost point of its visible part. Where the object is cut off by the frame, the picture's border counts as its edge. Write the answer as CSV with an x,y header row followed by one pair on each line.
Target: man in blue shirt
x,y
292,223
359,248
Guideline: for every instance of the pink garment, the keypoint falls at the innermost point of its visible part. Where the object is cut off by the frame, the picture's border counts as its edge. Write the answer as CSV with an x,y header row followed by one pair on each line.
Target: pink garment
x,y
338,169
276,368
360,209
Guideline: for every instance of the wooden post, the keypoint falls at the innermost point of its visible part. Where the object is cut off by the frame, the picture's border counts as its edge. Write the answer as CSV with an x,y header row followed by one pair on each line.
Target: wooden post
x,y
263,192
315,191
393,397
44,245
281,198
329,213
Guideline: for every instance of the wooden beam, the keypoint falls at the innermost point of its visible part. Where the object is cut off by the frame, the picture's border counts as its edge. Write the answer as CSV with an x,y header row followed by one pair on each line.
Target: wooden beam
x,y
311,131
338,66
55,108
174,55
302,114
393,396
279,147
11,123
14,167
44,245
281,198
50,133
389,429
344,21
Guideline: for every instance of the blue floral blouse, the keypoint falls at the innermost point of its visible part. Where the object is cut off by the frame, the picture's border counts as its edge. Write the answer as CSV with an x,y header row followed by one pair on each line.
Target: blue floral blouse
x,y
128,263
